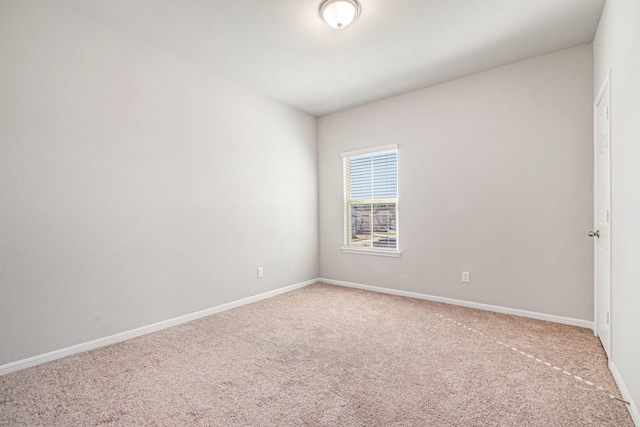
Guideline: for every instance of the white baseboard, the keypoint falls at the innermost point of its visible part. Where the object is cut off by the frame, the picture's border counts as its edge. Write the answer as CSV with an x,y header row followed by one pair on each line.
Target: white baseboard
x,y
633,408
498,309
101,342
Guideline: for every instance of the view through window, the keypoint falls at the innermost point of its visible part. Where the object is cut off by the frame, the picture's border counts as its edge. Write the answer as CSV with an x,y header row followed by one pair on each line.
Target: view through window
x,y
371,198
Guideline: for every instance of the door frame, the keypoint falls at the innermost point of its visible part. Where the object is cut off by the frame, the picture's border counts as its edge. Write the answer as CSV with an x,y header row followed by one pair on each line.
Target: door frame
x,y
605,87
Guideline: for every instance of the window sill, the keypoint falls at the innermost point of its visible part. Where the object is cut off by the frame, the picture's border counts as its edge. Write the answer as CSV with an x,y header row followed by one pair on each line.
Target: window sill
x,y
375,252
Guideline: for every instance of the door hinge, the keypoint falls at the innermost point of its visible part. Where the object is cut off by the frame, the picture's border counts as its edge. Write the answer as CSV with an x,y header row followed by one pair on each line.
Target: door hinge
x,y
607,318
608,215
607,113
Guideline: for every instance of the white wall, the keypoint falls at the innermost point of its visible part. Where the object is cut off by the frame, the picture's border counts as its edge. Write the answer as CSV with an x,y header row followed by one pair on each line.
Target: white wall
x,y
617,48
135,187
495,178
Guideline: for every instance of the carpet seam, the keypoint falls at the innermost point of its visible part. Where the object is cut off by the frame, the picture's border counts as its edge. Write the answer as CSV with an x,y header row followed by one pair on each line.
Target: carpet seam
x,y
529,356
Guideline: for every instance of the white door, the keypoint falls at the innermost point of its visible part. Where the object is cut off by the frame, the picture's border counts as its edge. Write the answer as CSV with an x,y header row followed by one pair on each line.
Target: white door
x,y
602,213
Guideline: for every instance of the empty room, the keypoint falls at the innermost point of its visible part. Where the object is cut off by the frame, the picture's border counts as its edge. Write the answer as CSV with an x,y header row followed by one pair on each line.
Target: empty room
x,y
319,212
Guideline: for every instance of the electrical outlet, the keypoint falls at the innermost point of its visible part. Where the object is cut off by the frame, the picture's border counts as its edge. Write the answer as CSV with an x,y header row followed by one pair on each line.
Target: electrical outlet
x,y
260,272
465,277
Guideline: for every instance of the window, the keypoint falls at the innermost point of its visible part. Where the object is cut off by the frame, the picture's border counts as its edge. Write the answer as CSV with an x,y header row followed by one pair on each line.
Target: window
x,y
371,201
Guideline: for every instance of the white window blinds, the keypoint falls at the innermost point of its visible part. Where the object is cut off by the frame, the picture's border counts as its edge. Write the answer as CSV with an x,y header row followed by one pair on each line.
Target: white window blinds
x,y
371,198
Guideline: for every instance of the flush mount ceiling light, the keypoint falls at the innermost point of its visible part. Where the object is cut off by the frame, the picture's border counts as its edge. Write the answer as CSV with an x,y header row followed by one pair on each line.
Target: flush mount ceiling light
x,y
339,13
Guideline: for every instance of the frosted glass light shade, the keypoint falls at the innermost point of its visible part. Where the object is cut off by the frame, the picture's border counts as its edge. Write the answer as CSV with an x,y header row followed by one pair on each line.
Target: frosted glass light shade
x,y
339,13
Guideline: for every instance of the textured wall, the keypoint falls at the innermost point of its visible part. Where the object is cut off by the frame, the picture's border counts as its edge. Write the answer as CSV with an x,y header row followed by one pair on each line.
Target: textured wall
x,y
134,187
495,176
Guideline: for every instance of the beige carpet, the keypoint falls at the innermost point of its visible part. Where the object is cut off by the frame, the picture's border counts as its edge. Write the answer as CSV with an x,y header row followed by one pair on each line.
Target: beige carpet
x,y
329,356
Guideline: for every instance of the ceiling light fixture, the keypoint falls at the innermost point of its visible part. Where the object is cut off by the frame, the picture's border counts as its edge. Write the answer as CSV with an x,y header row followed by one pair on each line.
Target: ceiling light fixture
x,y
339,13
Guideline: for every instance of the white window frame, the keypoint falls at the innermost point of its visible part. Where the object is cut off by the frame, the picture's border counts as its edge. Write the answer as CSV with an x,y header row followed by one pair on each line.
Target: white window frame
x,y
390,252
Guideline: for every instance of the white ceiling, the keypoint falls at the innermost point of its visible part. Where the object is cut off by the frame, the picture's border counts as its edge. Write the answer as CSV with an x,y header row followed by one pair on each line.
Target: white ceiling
x,y
281,48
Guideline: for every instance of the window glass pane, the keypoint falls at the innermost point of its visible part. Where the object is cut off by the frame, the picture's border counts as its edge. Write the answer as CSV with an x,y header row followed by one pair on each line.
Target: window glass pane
x,y
384,225
385,172
373,225
361,178
374,176
361,225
